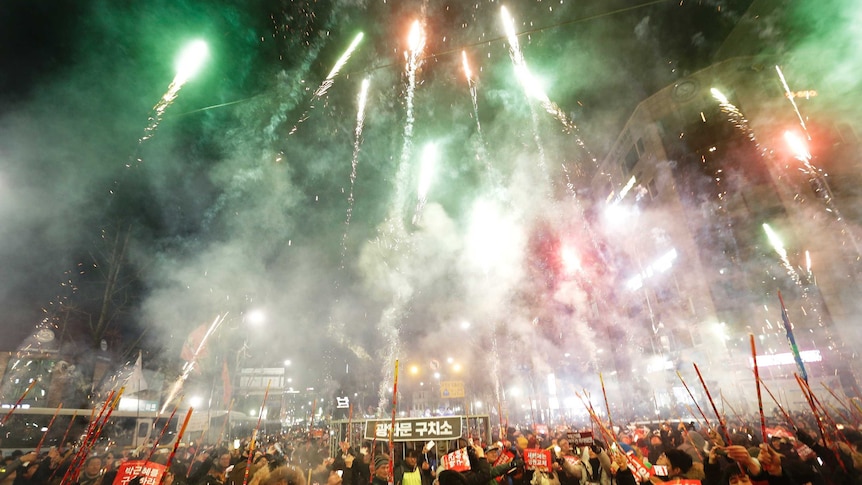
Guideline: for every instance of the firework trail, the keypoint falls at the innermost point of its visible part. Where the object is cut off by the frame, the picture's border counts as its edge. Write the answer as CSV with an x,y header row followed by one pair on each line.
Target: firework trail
x,y
532,88
190,61
481,151
812,303
778,246
820,184
189,366
389,329
336,328
289,98
416,45
522,73
471,83
330,80
354,161
791,97
738,119
394,231
426,175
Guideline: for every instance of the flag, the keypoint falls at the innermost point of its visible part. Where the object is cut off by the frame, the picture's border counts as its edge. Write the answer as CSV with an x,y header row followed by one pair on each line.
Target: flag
x,y
225,379
193,342
136,382
793,347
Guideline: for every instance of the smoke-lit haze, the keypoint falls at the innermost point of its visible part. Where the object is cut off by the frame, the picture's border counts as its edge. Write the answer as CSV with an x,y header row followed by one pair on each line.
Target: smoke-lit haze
x,y
227,211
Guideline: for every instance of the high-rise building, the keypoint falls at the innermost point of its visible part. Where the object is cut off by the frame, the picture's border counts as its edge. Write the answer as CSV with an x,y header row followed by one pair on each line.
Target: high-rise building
x,y
709,200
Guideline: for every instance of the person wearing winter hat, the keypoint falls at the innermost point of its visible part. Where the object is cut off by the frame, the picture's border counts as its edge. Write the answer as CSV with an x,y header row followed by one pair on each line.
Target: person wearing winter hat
x,y
380,470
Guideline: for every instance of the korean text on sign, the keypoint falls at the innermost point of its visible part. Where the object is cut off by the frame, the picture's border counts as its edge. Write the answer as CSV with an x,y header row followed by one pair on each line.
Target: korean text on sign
x,y
458,461
150,473
418,429
537,459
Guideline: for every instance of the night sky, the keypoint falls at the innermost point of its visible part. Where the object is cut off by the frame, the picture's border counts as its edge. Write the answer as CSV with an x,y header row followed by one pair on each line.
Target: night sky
x,y
227,212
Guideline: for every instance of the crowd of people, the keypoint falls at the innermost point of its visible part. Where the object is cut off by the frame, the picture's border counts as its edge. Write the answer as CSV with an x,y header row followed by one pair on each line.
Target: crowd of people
x,y
807,452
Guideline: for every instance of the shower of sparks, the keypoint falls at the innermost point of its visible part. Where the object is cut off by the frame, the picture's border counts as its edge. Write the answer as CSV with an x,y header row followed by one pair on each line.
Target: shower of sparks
x,y
188,64
531,86
820,184
416,45
191,61
735,116
467,73
426,176
329,81
471,83
778,246
395,232
775,241
190,366
799,148
354,161
790,98
520,70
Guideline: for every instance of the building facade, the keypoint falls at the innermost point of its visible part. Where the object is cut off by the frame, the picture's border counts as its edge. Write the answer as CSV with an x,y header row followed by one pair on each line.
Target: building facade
x,y
712,208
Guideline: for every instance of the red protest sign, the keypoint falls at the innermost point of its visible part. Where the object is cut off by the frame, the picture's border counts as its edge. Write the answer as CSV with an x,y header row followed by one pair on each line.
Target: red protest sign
x,y
150,473
505,457
457,461
637,467
537,459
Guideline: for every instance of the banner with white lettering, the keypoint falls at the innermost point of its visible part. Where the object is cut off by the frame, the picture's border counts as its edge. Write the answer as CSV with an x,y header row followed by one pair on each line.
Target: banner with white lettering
x,y
150,473
415,429
537,459
505,457
580,438
457,461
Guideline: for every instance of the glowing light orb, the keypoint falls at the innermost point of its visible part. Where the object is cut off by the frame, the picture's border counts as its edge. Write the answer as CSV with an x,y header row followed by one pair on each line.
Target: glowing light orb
x,y
190,61
416,38
466,64
426,172
775,241
571,261
719,96
798,146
